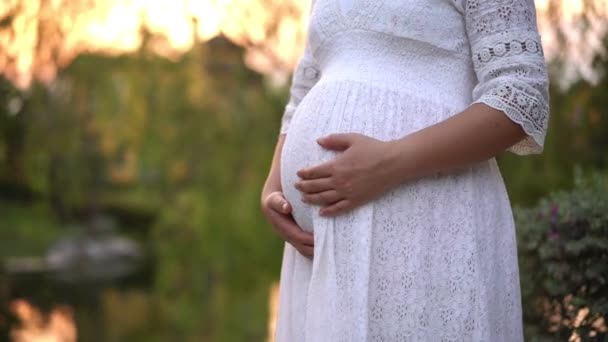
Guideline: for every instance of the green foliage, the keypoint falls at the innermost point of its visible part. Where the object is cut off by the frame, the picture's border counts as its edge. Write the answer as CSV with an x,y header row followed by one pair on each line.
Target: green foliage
x,y
186,144
26,231
563,246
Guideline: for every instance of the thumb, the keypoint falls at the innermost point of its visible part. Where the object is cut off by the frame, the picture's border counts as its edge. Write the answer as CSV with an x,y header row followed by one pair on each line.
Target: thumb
x,y
285,207
281,203
338,141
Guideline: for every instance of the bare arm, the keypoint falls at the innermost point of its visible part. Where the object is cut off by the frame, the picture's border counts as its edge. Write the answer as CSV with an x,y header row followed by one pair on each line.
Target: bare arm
x,y
273,181
476,134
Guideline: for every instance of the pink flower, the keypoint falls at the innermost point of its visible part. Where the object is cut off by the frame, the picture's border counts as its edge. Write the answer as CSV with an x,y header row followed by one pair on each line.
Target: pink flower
x,y
554,211
553,235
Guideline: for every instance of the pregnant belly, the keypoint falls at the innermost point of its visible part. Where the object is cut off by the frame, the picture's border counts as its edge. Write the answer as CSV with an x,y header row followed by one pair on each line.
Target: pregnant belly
x,y
346,106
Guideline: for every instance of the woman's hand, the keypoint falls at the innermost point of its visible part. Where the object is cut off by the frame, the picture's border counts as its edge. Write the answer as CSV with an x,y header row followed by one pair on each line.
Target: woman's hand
x,y
277,210
362,172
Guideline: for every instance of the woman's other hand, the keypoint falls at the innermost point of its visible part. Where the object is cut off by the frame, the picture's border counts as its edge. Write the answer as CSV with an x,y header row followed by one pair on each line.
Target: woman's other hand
x,y
277,210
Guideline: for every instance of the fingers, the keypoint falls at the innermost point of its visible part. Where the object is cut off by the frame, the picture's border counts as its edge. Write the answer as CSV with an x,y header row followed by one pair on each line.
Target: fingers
x,y
318,171
323,198
337,141
307,251
315,185
278,202
289,230
336,208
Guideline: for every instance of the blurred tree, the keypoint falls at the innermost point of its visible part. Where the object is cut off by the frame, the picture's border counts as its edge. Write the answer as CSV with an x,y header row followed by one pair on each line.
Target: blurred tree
x,y
189,140
40,37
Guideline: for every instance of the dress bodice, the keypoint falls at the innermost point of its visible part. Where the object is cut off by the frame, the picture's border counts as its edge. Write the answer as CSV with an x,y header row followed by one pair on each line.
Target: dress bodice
x,y
437,22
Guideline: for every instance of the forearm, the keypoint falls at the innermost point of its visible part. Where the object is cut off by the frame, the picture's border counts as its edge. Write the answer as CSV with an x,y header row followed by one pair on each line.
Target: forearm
x,y
476,134
273,181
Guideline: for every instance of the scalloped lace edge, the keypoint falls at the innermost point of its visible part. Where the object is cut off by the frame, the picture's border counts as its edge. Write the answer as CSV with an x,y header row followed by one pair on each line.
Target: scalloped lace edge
x,y
534,142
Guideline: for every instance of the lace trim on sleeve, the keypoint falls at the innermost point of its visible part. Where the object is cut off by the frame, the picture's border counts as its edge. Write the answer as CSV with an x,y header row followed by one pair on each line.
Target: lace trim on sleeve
x,y
513,79
523,108
507,49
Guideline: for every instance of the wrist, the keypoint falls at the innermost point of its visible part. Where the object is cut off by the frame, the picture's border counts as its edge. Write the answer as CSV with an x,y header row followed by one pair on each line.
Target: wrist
x,y
399,159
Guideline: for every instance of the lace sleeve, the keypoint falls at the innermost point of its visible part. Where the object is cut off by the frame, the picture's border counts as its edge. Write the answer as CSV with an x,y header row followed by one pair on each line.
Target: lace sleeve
x,y
509,63
304,77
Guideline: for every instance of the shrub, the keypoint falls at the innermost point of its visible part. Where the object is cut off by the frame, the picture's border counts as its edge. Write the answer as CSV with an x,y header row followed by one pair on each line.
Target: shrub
x,y
563,257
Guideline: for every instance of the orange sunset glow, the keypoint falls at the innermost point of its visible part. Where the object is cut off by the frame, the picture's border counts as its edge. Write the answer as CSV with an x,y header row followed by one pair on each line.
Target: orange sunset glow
x,y
46,35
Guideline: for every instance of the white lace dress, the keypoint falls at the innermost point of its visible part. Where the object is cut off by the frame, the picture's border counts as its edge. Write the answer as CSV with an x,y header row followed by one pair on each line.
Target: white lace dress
x,y
434,259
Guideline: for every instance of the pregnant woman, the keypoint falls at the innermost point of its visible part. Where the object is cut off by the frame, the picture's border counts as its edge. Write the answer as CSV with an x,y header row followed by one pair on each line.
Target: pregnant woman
x,y
384,184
